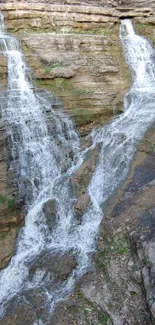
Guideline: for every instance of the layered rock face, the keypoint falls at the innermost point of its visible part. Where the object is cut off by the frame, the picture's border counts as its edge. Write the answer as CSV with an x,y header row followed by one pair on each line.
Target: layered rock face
x,y
73,50
11,217
83,62
120,287
103,3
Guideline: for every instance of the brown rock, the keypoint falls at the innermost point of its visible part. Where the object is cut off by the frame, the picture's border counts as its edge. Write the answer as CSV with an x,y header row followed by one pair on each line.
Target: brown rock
x,y
24,308
7,242
49,210
81,206
82,176
82,203
20,312
59,265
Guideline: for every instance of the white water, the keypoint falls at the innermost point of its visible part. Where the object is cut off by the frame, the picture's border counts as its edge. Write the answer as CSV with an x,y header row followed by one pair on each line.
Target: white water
x,y
39,158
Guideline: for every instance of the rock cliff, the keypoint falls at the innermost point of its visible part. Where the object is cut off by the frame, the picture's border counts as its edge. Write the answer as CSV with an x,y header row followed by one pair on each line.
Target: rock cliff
x,y
73,50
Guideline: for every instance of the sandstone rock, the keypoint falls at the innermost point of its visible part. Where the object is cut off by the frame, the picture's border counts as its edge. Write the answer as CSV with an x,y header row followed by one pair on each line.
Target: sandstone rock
x,y
95,71
11,217
82,176
86,94
82,203
83,61
3,166
10,220
81,206
7,242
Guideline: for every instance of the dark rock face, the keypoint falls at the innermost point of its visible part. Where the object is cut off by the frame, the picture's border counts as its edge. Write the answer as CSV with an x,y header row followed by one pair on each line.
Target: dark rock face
x,y
144,174
33,304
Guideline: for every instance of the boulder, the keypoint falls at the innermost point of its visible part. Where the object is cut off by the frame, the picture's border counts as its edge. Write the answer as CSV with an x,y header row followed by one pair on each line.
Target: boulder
x,y
81,206
82,176
34,302
49,209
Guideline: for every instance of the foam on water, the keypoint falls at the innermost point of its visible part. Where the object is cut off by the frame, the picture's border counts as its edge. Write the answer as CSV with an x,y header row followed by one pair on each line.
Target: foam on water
x,y
40,166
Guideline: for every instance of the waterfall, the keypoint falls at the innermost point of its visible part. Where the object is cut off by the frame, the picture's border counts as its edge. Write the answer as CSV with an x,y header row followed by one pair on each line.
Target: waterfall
x,y
41,176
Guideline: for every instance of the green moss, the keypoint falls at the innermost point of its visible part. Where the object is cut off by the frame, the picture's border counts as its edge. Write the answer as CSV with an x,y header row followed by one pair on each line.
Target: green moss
x,y
84,299
102,266
82,31
113,246
102,253
3,235
82,116
124,250
146,30
78,92
49,68
59,84
66,84
103,318
80,294
8,202
39,82
11,204
2,199
142,25
133,293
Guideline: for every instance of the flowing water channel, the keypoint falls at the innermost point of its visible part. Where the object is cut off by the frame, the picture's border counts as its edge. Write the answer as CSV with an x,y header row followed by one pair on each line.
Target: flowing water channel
x,y
39,157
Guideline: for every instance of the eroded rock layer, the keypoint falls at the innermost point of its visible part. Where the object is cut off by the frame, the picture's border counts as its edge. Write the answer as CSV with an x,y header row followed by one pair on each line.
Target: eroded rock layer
x,y
73,49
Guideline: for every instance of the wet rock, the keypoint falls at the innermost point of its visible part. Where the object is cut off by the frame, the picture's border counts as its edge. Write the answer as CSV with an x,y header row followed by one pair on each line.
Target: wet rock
x,y
11,218
19,312
38,300
153,309
7,243
82,176
49,209
19,203
85,141
55,266
47,272
77,310
124,263
81,206
143,175
131,213
147,219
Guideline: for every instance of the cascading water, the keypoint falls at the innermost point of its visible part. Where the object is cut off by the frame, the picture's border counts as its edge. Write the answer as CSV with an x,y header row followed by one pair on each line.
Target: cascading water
x,y
40,158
